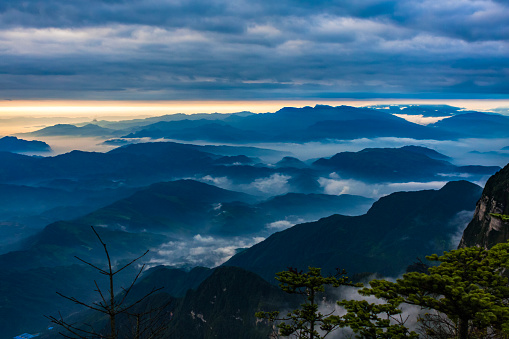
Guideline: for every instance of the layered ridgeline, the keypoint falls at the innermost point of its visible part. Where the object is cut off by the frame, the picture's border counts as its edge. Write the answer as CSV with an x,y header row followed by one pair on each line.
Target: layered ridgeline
x,y
168,211
486,228
292,124
146,163
398,164
88,130
154,215
397,230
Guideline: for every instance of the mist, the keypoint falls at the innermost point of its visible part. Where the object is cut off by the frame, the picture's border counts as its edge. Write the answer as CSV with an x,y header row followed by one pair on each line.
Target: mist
x,y
472,151
459,222
206,251
275,184
336,185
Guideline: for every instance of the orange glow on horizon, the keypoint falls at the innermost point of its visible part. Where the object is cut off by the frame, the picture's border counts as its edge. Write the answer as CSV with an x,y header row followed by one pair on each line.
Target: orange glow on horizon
x,y
112,109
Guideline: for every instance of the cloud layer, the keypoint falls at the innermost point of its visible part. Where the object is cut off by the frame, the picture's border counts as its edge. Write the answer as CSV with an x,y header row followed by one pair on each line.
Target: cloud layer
x,y
172,49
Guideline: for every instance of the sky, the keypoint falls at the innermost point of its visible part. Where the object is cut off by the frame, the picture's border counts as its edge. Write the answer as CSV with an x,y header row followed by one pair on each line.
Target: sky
x,y
253,50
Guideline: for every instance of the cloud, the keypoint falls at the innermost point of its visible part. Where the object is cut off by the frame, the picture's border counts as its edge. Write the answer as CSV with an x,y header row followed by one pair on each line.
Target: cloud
x,y
276,184
459,223
420,119
281,225
200,250
336,186
460,150
241,49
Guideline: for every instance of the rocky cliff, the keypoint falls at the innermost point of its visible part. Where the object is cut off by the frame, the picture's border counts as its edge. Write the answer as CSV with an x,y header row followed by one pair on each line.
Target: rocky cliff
x,y
485,229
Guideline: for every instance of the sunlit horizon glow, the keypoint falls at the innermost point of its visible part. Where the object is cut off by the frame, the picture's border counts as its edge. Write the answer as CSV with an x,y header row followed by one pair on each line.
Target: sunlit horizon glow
x,y
129,109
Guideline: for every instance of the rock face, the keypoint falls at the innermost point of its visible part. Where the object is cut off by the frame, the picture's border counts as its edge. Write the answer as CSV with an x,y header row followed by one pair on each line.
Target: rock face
x,y
486,230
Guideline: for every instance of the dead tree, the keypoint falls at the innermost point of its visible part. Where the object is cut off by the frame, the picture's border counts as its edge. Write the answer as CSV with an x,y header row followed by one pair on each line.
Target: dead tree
x,y
148,324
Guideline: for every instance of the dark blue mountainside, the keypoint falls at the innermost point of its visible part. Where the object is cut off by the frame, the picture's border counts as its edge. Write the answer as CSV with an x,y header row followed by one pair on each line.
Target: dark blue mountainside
x,y
222,302
187,207
398,165
397,230
476,125
146,163
144,220
294,125
305,124
13,144
210,303
89,130
140,162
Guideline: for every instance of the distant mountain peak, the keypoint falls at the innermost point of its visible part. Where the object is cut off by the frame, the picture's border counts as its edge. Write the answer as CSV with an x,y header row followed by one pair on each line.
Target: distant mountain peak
x,y
13,144
87,130
291,162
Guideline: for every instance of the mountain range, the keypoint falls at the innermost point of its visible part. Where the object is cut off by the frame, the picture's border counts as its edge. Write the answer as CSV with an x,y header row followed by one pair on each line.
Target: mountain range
x,y
206,303
292,124
398,164
237,185
395,232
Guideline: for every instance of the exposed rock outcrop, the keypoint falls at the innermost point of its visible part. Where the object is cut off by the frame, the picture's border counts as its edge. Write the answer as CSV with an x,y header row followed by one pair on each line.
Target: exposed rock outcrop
x,y
485,229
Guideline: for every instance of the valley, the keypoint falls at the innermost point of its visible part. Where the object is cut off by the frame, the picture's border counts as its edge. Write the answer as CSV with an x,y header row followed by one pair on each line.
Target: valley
x,y
225,201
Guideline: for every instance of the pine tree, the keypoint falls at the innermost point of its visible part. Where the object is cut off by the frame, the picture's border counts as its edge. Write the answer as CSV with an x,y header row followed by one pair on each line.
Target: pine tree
x,y
468,286
307,321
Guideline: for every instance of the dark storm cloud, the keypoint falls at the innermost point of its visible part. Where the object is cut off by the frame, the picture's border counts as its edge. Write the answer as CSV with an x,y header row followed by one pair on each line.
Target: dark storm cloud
x,y
166,49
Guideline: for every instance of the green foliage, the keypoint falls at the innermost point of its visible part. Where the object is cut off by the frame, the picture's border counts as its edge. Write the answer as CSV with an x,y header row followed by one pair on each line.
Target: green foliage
x,y
370,320
305,321
468,286
504,217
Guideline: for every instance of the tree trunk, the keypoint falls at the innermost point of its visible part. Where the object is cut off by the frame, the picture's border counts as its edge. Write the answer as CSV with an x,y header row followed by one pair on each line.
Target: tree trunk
x,y
463,328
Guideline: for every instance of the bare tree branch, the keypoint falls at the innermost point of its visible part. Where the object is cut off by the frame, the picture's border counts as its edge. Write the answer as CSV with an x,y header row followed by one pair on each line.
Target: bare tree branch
x,y
149,324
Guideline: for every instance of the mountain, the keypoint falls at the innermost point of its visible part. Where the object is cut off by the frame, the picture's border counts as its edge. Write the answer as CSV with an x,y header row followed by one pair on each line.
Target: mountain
x,y
186,207
314,206
59,242
13,144
241,150
180,207
475,125
406,163
430,153
341,122
191,130
291,162
176,282
383,126
292,124
89,130
486,230
424,110
283,211
18,200
221,305
138,124
396,230
27,295
224,306
31,277
137,164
